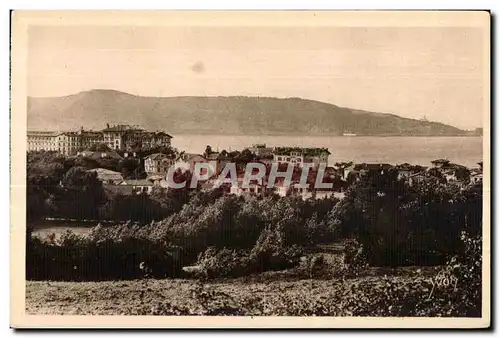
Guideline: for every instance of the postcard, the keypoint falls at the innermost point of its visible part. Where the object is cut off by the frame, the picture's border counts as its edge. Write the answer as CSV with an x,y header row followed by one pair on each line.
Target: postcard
x,y
233,169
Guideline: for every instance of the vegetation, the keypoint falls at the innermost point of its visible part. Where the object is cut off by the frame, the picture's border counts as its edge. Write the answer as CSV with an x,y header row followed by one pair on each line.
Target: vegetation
x,y
424,229
435,224
438,292
62,187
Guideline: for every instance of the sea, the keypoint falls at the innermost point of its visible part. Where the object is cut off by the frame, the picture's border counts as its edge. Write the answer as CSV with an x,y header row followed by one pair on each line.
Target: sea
x,y
359,149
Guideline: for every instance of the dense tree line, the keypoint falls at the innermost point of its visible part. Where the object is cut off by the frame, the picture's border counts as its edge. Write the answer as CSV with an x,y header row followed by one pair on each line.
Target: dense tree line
x,y
62,187
402,224
393,222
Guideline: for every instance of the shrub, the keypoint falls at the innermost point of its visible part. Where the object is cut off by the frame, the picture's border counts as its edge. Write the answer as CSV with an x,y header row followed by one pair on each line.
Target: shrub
x,y
400,224
271,253
313,266
354,257
93,258
464,273
69,238
224,263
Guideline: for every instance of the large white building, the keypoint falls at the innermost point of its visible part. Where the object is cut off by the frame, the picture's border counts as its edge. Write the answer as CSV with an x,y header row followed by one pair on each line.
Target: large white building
x,y
120,137
299,156
67,143
42,140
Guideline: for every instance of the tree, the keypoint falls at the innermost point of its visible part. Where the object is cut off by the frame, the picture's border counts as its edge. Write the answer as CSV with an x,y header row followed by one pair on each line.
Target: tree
x,y
130,168
108,163
82,194
245,156
45,169
223,155
462,173
81,162
399,224
208,151
167,150
136,207
436,173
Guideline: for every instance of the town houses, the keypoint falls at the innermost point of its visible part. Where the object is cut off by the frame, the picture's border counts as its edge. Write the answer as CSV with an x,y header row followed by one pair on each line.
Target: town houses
x,y
261,150
476,175
117,137
158,164
152,160
126,137
299,156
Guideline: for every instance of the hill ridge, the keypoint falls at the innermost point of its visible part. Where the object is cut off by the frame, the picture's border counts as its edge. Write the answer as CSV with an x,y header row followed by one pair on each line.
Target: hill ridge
x,y
255,115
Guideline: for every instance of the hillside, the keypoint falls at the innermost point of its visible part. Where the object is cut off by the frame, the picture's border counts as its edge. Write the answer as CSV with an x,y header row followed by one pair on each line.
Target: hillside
x,y
220,115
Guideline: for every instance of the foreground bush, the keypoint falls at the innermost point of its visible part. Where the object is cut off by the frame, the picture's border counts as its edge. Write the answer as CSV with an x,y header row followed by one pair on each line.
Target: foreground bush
x,y
78,258
224,263
248,235
235,263
402,224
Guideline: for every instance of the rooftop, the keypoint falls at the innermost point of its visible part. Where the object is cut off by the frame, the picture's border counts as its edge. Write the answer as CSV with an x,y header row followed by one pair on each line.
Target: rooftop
x,y
304,151
104,154
118,128
105,174
121,127
188,156
144,132
42,133
161,133
144,182
369,166
156,156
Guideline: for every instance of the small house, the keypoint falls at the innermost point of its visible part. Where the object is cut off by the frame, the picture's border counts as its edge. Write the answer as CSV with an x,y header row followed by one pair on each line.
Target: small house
x,y
139,186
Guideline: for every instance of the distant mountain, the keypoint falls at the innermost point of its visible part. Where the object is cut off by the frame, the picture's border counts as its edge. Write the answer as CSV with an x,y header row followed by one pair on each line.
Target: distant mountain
x,y
220,115
474,132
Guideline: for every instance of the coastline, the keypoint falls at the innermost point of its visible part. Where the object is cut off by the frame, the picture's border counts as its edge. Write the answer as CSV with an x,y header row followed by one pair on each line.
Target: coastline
x,y
201,133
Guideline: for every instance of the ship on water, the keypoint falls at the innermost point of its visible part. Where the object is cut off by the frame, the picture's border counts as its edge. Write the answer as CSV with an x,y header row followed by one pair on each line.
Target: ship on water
x,y
348,133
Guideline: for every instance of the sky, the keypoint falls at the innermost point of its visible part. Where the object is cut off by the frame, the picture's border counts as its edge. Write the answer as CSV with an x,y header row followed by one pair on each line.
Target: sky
x,y
436,72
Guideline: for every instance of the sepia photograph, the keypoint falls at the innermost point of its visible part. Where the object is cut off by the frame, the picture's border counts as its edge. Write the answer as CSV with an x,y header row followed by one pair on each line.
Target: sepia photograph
x,y
250,169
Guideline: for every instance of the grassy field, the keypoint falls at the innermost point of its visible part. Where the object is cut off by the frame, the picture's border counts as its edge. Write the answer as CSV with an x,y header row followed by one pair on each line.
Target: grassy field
x,y
43,228
42,233
265,294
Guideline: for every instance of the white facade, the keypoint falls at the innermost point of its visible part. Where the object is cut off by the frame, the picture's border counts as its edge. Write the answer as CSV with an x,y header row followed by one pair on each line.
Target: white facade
x,y
261,150
42,140
251,189
157,164
300,156
139,186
